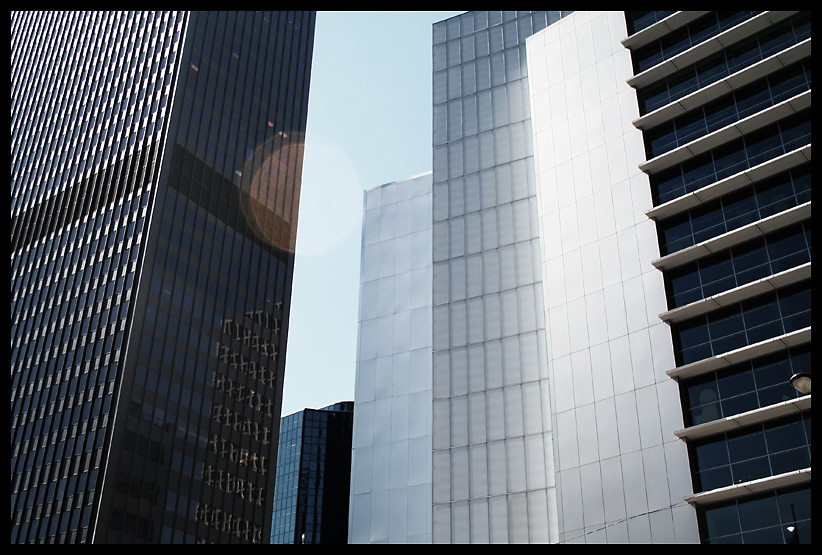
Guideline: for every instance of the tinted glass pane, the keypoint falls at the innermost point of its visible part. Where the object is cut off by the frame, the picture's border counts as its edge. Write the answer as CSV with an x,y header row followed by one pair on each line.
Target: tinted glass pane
x,y
685,287
693,334
772,535
763,146
795,505
724,324
729,159
788,83
698,173
736,383
702,394
707,224
758,513
797,132
739,404
717,275
722,521
751,261
720,113
711,454
753,99
690,127
785,436
746,446
740,209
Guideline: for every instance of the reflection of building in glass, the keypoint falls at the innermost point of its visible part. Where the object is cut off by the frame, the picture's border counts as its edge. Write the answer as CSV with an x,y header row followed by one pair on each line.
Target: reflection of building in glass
x,y
313,476
156,162
621,279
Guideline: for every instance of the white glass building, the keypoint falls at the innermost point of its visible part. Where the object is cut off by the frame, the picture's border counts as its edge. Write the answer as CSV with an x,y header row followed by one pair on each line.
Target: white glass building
x,y
391,451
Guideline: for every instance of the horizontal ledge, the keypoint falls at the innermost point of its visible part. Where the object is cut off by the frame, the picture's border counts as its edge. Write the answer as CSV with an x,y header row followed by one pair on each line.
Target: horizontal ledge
x,y
734,237
743,354
738,294
725,85
737,421
705,48
728,133
661,28
736,491
732,183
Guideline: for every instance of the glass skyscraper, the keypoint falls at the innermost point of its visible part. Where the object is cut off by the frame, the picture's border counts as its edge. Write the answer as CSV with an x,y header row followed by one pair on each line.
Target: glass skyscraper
x,y
155,177
492,435
391,450
313,476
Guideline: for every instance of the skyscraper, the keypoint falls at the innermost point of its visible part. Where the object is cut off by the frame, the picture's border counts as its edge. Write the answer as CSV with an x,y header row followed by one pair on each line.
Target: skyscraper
x,y
621,277
672,152
313,476
156,162
493,477
391,447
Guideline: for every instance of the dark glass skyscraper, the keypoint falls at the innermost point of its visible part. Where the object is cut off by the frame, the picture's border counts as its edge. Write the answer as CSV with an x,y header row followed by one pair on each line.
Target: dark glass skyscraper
x,y
155,177
313,476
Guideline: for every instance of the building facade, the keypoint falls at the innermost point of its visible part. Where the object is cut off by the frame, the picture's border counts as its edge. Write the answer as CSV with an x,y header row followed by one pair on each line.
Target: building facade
x,y
621,278
156,162
311,493
493,479
391,452
672,153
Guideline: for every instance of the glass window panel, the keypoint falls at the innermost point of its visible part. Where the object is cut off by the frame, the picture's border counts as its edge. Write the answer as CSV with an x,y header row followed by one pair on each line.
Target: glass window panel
x,y
758,513
785,436
660,139
795,506
720,113
693,333
676,233
750,261
722,521
711,454
772,535
711,69
739,404
753,99
698,173
736,383
714,478
669,185
795,301
788,83
654,97
690,127
763,145
740,209
683,83
797,131
746,446
707,224
716,275
729,159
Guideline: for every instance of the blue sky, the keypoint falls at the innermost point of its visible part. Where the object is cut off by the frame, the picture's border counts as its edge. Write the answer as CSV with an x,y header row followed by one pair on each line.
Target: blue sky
x,y
369,123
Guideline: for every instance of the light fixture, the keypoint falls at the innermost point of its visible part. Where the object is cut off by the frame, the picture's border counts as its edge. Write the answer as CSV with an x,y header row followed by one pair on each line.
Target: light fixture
x,y
802,383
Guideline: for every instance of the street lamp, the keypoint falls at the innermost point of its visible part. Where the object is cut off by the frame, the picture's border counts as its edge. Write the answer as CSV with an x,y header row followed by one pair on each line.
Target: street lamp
x,y
802,383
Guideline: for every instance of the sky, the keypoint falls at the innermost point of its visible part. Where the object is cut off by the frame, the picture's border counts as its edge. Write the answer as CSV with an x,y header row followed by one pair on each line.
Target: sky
x,y
369,123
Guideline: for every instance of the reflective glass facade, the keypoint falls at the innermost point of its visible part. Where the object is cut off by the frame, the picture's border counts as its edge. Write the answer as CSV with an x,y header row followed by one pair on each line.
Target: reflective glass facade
x,y
313,476
493,479
156,162
391,457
